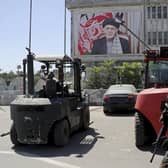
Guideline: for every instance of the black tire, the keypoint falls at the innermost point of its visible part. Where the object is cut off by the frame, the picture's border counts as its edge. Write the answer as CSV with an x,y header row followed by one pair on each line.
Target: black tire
x,y
85,119
107,113
61,133
13,135
140,137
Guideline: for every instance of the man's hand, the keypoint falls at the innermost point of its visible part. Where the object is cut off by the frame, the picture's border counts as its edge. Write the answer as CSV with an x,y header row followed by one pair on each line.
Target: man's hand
x,y
119,17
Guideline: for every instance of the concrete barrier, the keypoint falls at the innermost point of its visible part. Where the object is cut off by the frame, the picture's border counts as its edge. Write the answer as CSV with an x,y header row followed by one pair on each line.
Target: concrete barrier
x,y
95,96
9,93
7,96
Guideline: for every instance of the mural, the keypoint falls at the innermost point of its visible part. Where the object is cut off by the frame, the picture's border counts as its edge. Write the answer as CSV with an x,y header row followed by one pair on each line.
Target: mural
x,y
100,33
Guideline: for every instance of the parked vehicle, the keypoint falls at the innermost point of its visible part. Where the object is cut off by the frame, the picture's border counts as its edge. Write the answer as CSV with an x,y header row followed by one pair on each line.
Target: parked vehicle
x,y
55,111
119,97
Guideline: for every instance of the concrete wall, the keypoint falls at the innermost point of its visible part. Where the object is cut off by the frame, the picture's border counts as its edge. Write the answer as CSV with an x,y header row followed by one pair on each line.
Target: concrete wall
x,y
7,96
94,3
95,96
9,93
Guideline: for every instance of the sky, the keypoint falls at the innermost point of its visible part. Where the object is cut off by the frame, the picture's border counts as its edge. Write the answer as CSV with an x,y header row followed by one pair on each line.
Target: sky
x,y
47,30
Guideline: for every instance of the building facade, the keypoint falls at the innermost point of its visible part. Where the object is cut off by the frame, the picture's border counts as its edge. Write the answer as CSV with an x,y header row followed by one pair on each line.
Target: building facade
x,y
156,19
147,19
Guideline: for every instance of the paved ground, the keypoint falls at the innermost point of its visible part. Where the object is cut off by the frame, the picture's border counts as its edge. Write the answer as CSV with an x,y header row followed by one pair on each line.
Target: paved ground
x,y
109,143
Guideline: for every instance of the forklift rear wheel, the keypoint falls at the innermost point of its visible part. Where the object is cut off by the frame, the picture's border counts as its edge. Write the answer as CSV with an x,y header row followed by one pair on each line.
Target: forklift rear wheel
x,y
61,133
13,135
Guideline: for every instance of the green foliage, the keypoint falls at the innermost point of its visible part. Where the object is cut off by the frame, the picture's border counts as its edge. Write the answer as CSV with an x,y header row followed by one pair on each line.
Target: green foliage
x,y
130,73
107,73
8,77
101,76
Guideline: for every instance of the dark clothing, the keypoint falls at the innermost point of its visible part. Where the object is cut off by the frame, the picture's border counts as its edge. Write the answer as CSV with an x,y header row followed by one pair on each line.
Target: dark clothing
x,y
164,163
100,47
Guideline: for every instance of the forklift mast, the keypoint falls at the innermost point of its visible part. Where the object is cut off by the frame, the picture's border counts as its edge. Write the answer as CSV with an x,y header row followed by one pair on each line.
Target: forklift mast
x,y
77,77
30,73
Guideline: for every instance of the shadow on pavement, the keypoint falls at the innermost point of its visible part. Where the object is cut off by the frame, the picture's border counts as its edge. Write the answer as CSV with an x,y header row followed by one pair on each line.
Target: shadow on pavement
x,y
150,148
80,144
118,113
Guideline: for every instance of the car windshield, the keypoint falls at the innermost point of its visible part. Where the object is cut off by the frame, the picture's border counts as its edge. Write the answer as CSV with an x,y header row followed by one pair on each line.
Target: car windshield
x,y
122,87
158,72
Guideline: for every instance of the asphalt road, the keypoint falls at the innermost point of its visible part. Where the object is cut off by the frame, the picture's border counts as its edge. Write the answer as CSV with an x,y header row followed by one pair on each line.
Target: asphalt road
x,y
109,143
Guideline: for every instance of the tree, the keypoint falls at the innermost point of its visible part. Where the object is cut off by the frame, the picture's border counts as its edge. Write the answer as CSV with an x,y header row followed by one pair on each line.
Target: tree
x,y
107,73
18,69
94,78
8,77
101,76
130,73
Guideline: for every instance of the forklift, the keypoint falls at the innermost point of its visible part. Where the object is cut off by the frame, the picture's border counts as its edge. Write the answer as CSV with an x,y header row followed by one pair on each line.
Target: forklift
x,y
54,112
147,107
59,108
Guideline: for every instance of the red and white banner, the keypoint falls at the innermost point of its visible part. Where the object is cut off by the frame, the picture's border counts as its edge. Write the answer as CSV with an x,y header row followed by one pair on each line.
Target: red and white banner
x,y
87,29
91,31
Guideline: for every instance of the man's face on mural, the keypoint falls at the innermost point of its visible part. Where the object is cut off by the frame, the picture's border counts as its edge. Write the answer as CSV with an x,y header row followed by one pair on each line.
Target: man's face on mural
x,y
110,31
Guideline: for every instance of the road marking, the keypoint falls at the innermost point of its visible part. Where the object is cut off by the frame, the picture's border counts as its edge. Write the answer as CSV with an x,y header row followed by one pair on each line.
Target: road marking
x,y
88,140
2,110
94,108
126,150
7,152
46,160
56,163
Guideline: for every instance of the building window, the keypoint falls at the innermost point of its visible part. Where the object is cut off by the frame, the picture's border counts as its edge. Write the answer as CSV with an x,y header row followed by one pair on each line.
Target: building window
x,y
160,37
149,38
154,38
159,12
153,12
149,12
165,37
164,12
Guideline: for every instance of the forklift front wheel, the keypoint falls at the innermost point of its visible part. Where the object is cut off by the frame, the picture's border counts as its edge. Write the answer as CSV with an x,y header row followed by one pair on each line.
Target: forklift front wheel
x,y
140,137
61,133
86,119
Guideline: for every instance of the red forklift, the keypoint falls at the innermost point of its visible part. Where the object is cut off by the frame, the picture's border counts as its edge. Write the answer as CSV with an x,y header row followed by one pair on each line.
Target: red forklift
x,y
147,107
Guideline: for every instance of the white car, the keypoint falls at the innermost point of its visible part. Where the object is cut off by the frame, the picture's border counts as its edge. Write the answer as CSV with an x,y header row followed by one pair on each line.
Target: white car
x,y
119,97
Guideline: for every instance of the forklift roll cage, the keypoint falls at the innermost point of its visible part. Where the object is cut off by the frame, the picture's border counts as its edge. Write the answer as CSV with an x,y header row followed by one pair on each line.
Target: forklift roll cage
x,y
155,57
59,62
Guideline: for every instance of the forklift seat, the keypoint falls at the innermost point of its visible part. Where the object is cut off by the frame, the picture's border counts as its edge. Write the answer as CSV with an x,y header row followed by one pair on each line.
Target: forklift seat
x,y
51,87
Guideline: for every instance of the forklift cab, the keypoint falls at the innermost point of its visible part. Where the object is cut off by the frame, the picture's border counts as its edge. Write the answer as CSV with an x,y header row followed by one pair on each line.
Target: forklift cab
x,y
61,76
156,68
